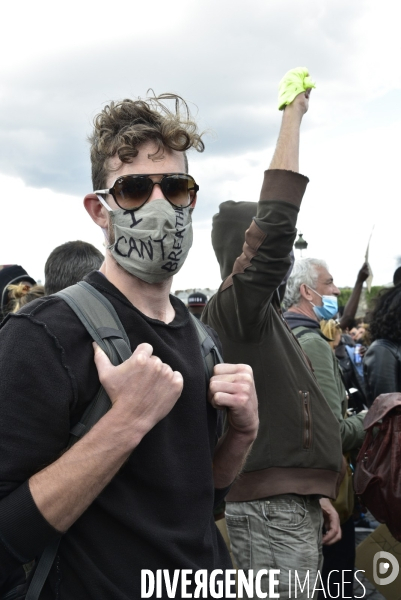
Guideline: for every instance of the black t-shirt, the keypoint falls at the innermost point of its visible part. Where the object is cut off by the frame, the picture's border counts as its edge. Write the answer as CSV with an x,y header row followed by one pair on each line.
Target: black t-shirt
x,y
157,512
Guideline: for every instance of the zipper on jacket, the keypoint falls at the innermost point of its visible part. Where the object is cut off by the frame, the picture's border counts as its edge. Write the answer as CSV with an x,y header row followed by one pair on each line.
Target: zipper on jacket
x,y
307,441
295,341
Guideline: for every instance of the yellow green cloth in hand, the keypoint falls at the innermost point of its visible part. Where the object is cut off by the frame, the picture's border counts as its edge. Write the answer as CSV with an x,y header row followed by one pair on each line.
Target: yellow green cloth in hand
x,y
293,83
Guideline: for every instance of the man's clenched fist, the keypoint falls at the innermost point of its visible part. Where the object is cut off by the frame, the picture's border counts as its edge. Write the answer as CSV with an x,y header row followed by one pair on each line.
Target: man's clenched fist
x,y
233,387
143,388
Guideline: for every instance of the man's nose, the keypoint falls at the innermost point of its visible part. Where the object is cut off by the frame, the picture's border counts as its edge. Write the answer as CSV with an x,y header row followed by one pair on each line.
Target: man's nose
x,y
336,291
157,192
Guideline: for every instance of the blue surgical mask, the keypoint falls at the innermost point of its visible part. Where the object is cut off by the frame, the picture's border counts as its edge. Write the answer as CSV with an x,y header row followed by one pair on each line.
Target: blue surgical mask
x,y
329,308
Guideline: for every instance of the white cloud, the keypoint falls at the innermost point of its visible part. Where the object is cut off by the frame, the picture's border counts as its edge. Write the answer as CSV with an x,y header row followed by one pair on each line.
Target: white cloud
x,y
60,65
35,221
354,186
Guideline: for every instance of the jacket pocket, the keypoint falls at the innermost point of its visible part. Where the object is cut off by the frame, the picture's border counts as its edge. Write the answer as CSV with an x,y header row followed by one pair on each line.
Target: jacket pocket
x,y
307,420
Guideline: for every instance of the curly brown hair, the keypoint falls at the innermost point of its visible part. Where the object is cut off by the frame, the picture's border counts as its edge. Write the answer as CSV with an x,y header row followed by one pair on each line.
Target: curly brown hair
x,y
121,127
385,320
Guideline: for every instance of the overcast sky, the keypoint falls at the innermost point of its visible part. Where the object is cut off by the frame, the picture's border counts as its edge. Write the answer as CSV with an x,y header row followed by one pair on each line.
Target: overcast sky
x,y
61,63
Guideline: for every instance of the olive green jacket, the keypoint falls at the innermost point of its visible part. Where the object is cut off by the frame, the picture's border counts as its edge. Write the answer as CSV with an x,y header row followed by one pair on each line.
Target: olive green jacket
x,y
327,372
298,447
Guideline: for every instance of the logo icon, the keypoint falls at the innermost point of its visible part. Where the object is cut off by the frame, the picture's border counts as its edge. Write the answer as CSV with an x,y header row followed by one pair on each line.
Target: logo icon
x,y
382,561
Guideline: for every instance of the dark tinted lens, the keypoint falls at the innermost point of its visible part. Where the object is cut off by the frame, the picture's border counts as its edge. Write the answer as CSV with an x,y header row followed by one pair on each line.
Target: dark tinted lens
x,y
177,189
131,192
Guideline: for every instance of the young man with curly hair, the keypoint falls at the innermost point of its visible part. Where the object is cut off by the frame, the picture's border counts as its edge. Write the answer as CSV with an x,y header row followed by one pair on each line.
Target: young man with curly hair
x,y
137,491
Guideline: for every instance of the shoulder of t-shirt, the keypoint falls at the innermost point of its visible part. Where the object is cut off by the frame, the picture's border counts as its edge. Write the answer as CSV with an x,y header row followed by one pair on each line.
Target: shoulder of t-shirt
x,y
42,306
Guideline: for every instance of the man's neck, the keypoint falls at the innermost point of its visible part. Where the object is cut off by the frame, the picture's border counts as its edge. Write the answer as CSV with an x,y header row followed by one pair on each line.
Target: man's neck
x,y
151,299
304,309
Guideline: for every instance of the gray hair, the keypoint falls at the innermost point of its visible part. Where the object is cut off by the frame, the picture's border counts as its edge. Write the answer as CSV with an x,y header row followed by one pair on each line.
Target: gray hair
x,y
304,271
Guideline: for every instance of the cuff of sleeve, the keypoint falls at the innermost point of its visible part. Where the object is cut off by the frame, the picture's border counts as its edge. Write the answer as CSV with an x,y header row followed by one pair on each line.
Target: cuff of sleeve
x,y
362,431
288,186
23,529
220,494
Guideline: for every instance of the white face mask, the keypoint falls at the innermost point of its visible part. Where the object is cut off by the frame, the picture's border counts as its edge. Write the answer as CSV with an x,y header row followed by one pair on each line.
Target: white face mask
x,y
152,242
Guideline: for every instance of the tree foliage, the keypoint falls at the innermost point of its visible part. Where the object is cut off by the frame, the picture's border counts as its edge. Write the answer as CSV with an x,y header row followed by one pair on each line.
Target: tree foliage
x,y
370,296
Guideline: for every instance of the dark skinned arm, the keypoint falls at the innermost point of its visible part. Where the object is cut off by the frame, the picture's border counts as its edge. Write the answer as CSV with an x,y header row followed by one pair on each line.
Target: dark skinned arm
x,y
352,304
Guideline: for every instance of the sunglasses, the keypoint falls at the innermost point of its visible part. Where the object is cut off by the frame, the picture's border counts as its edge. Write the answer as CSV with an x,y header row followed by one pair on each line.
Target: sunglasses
x,y
132,191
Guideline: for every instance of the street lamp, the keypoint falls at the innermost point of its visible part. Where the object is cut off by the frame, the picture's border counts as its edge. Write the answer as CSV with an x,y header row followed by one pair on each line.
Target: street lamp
x,y
301,244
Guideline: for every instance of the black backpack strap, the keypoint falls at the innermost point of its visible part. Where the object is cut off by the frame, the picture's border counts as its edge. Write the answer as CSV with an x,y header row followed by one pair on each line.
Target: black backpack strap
x,y
42,570
315,330
301,333
103,324
210,353
100,319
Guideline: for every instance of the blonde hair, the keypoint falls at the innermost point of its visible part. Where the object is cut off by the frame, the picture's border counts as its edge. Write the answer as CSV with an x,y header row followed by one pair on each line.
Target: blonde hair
x,y
23,293
330,329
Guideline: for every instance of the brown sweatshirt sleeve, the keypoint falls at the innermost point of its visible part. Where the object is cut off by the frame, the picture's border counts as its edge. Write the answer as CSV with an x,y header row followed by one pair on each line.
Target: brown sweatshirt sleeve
x,y
240,304
278,184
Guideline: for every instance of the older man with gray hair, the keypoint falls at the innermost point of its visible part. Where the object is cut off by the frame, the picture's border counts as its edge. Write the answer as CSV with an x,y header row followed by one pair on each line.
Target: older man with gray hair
x,y
311,296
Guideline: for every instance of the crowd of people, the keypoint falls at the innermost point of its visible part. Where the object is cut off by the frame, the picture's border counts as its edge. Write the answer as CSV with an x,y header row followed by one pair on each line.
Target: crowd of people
x,y
188,470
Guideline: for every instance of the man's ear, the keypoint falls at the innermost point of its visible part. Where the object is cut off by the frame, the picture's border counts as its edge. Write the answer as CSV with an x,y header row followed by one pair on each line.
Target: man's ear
x,y
305,292
96,210
192,206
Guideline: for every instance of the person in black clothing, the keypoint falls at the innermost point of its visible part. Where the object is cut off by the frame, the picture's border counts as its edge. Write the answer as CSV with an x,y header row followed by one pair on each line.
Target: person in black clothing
x,y
11,275
382,361
137,491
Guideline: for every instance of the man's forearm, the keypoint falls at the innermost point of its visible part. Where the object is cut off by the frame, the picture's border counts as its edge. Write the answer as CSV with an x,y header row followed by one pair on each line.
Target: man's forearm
x,y
286,155
230,456
64,490
352,432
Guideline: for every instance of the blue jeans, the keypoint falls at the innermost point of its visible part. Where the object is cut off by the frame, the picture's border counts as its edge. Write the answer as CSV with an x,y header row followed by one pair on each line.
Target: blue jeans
x,y
280,532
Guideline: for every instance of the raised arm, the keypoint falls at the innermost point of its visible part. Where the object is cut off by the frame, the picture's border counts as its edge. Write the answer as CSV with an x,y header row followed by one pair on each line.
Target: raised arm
x,y
256,275
251,280
352,304
286,155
